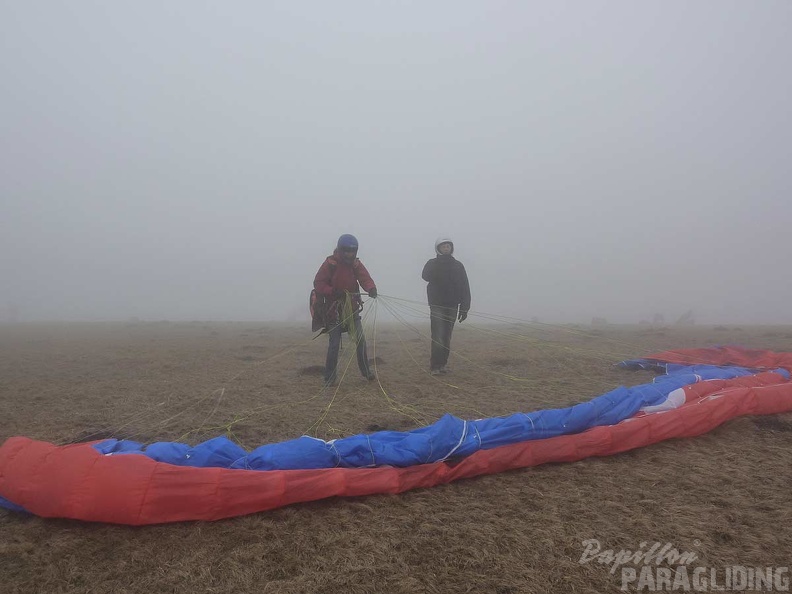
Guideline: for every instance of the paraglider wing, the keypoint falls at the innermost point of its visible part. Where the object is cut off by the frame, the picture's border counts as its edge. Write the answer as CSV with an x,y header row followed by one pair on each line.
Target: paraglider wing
x,y
127,483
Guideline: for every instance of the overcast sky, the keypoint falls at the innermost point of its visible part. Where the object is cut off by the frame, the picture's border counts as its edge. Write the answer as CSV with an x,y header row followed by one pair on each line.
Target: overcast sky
x,y
191,160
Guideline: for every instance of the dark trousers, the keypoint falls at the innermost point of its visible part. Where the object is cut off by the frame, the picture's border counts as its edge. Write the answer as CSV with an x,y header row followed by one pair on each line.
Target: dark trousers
x,y
334,347
442,320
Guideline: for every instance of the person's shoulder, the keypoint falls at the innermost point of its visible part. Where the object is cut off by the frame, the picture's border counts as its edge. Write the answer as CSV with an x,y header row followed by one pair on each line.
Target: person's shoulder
x,y
329,263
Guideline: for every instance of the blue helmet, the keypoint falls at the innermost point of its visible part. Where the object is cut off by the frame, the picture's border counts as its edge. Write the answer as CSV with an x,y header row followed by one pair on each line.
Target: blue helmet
x,y
347,241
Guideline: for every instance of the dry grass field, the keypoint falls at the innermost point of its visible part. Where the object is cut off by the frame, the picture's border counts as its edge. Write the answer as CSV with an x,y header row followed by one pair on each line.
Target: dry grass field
x,y
724,495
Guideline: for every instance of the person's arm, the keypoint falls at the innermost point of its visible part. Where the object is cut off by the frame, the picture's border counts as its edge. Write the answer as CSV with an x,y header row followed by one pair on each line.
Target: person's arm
x,y
429,268
323,281
464,304
365,280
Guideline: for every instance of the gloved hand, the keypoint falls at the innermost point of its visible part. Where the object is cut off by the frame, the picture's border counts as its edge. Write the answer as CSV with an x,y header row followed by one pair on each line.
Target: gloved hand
x,y
462,316
373,293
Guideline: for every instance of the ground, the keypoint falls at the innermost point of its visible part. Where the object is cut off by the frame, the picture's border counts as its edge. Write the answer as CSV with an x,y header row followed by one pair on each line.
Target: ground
x,y
724,495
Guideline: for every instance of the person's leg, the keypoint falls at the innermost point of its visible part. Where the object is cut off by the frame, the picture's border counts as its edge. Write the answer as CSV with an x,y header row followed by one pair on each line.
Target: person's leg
x,y
362,354
332,353
445,339
436,322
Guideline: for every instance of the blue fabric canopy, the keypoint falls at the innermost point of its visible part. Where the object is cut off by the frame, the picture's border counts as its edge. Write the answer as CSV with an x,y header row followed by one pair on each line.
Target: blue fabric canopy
x,y
449,437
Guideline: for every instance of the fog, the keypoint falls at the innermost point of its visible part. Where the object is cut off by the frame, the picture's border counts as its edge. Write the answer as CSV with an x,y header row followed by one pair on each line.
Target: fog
x,y
198,161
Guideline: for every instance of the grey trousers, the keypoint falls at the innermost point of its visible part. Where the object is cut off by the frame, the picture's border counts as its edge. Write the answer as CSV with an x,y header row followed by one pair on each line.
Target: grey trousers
x,y
442,321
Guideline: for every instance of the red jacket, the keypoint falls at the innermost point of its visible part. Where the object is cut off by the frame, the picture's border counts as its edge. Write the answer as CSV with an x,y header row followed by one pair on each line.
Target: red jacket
x,y
336,276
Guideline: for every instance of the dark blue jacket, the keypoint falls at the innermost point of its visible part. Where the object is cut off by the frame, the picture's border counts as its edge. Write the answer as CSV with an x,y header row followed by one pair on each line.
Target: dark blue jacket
x,y
448,283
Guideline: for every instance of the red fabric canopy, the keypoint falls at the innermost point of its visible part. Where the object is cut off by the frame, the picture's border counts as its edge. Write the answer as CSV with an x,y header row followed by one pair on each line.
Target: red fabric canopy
x,y
79,482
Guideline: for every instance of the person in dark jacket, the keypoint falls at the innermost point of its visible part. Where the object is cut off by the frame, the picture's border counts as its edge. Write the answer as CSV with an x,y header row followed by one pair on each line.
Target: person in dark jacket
x,y
448,292
342,274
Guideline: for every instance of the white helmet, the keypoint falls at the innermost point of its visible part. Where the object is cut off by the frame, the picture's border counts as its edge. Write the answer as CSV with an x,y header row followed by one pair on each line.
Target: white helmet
x,y
443,239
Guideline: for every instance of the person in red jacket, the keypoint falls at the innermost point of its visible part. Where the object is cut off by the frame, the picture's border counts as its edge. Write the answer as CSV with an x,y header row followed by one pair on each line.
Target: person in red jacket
x,y
340,274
